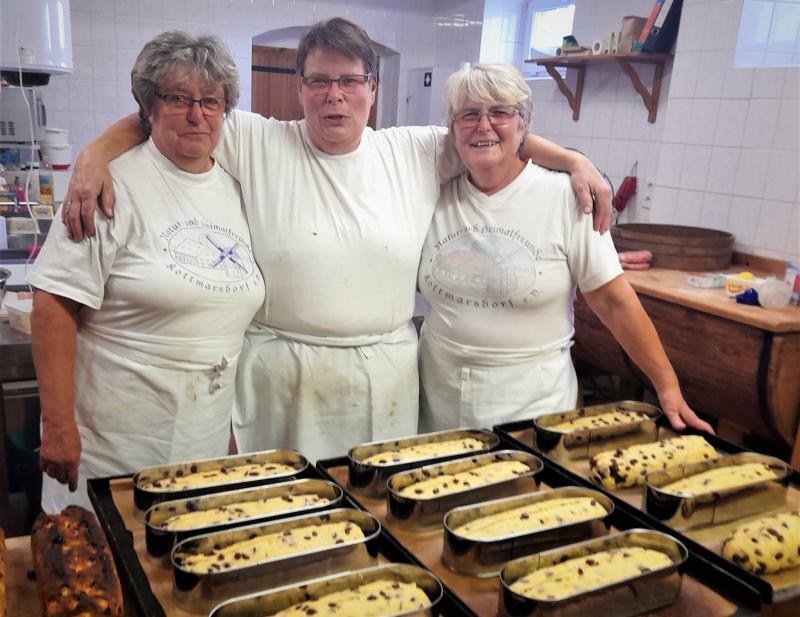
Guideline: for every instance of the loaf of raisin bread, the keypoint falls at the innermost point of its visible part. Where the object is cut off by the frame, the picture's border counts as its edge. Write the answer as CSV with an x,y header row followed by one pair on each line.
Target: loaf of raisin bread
x,y
75,572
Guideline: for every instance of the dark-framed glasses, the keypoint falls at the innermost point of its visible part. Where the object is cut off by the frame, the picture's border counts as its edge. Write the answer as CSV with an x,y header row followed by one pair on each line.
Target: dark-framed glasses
x,y
497,116
210,105
346,83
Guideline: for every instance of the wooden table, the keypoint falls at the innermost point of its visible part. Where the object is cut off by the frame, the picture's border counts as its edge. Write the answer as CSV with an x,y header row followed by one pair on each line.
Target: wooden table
x,y
735,362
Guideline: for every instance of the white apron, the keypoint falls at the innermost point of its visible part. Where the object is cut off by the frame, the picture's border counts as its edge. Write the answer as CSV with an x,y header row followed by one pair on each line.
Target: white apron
x,y
465,387
136,411
322,395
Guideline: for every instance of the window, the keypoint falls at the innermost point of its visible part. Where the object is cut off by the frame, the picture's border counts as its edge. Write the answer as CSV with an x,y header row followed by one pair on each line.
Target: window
x,y
550,21
769,34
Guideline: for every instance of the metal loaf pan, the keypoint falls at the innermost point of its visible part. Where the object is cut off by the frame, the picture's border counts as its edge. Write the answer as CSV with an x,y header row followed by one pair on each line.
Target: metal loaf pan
x,y
486,557
715,507
370,480
422,514
143,499
160,541
642,593
560,445
197,593
268,603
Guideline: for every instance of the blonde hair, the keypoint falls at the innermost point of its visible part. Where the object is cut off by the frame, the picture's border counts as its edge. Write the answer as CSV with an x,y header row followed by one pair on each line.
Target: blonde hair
x,y
488,83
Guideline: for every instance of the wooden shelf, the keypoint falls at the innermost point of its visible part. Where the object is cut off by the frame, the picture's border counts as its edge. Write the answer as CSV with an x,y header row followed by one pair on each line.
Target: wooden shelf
x,y
625,62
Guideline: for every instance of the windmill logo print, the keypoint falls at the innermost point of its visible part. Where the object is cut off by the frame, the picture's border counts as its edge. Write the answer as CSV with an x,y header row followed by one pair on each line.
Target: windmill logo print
x,y
217,255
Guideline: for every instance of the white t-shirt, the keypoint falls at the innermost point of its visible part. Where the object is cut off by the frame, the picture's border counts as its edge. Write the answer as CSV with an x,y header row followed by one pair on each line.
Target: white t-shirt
x,y
338,237
500,271
171,277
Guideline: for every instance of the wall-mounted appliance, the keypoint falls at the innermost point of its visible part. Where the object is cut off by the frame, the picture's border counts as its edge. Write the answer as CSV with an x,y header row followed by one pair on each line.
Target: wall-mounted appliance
x,y
36,38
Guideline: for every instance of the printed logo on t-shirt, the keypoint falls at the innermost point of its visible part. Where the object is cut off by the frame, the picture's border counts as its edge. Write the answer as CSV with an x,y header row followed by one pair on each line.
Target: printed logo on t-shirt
x,y
210,254
487,262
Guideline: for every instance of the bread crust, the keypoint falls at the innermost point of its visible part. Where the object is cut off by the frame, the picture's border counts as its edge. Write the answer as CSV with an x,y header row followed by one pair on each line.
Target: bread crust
x,y
75,571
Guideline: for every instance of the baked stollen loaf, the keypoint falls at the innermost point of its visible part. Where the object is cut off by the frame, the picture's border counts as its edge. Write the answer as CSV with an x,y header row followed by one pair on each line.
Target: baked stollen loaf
x,y
75,572
767,545
625,467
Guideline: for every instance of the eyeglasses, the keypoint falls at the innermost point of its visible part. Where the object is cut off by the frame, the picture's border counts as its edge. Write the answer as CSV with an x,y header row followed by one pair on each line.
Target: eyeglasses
x,y
209,105
347,83
497,116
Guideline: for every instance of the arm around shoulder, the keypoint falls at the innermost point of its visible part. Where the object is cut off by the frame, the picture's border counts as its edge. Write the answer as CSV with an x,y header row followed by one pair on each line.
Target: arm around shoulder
x,y
90,184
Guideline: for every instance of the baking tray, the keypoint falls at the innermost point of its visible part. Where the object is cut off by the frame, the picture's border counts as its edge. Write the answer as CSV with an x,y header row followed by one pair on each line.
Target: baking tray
x,y
147,588
268,603
685,512
705,561
479,596
370,479
160,541
143,498
197,593
646,592
485,557
583,443
422,513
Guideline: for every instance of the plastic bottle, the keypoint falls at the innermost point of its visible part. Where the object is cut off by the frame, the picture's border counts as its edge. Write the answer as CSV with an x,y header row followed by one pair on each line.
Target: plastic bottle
x,y
45,183
19,189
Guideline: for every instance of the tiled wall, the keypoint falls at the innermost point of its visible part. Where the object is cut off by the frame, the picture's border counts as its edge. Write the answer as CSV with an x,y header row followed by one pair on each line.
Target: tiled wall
x,y
107,35
723,152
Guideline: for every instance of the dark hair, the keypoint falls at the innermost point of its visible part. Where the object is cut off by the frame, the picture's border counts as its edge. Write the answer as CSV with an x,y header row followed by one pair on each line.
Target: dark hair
x,y
340,35
175,53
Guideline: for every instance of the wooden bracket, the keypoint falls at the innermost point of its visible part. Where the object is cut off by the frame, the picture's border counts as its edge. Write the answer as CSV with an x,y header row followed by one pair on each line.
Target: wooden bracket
x,y
574,100
650,98
625,62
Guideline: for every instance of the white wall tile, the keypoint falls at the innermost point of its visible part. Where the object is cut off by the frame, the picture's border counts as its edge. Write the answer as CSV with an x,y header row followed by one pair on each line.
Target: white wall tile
x,y
603,118
768,82
716,210
127,33
782,176
712,73
103,30
103,120
694,172
685,68
148,28
105,97
751,172
81,24
762,120
57,95
692,32
101,6
773,229
677,117
722,170
81,126
722,24
127,7
689,207
791,81
81,62
125,59
702,121
743,220
81,95
664,205
621,120
104,64
150,9
730,122
738,83
670,165
787,136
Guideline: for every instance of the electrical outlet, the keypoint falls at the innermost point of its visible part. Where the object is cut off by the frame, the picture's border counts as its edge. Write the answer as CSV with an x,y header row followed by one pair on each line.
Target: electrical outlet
x,y
646,194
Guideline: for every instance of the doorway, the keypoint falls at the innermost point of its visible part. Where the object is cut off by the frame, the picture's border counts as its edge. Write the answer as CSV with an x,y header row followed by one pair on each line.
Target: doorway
x,y
274,85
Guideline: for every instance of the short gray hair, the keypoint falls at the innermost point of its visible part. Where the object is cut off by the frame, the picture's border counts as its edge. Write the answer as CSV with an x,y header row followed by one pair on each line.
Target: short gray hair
x,y
176,53
488,83
339,34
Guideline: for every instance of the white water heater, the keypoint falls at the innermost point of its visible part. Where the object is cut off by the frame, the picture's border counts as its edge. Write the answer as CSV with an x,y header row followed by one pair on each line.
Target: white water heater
x,y
36,37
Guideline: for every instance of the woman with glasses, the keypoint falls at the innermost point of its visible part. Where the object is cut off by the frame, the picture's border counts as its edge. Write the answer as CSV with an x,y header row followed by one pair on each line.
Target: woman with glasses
x,y
505,252
137,331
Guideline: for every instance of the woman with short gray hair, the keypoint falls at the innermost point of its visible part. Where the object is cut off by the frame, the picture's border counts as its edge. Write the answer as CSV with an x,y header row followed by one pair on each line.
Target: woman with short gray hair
x,y
504,255
137,332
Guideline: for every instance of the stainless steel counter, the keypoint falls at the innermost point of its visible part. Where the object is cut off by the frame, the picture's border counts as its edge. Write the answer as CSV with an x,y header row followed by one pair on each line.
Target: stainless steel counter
x,y
16,356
